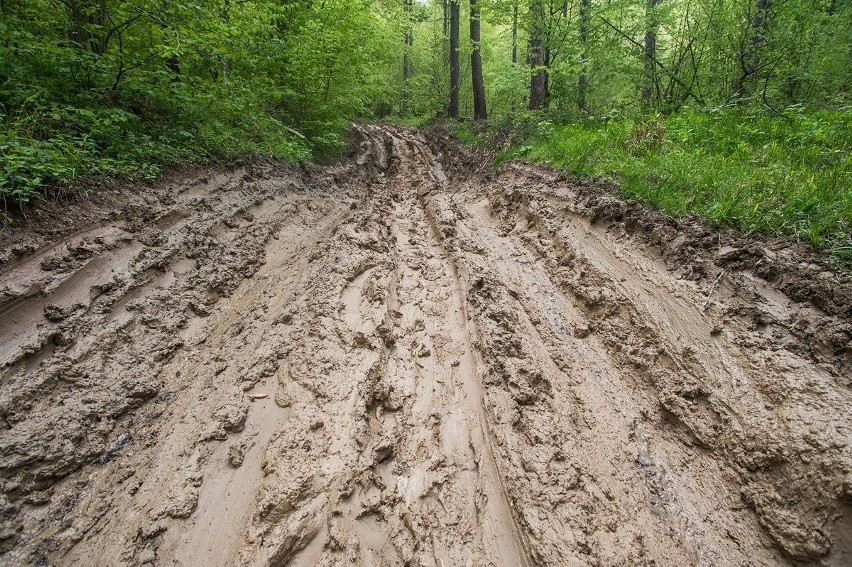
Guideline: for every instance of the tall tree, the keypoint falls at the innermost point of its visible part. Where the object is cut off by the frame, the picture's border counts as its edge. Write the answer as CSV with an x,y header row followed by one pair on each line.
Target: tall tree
x,y
408,40
454,59
650,89
514,34
538,72
749,56
445,36
87,18
479,112
582,80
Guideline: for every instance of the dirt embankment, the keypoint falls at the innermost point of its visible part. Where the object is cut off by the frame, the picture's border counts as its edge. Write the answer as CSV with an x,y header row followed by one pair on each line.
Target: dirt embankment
x,y
407,360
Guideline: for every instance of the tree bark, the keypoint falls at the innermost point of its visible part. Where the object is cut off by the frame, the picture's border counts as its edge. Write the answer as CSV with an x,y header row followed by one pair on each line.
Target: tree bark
x,y
538,72
479,112
750,60
582,80
649,89
445,36
514,35
454,59
408,39
86,15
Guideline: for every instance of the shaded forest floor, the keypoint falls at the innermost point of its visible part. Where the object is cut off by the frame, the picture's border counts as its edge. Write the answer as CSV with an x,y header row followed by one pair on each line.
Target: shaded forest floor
x,y
409,358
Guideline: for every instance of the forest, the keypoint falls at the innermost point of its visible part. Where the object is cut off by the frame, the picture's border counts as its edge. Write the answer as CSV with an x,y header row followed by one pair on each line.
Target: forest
x,y
735,110
433,283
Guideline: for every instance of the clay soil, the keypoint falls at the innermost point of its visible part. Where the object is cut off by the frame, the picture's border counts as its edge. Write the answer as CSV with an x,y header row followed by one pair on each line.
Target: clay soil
x,y
409,359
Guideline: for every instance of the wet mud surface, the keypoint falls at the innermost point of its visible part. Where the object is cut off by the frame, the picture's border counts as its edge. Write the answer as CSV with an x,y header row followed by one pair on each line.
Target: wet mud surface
x,y
408,359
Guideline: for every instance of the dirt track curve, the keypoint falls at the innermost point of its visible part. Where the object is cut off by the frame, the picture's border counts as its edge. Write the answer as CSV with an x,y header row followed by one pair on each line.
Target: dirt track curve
x,y
403,359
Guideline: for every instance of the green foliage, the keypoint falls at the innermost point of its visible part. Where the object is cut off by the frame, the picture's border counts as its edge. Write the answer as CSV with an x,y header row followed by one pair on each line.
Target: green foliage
x,y
747,168
125,88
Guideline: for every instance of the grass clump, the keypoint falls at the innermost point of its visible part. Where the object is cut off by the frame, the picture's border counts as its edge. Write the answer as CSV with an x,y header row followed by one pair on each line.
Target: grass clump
x,y
789,175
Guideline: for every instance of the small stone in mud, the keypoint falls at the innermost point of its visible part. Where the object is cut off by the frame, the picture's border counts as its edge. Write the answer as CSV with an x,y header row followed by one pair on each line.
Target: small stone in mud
x,y
39,498
183,505
147,556
236,455
361,340
847,487
54,313
152,530
20,250
582,330
199,309
283,400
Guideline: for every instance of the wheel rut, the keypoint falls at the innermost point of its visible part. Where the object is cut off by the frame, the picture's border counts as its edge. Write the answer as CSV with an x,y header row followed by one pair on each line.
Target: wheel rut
x,y
404,359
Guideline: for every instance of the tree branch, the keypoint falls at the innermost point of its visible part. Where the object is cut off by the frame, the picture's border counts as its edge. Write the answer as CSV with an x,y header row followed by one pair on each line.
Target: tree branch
x,y
697,98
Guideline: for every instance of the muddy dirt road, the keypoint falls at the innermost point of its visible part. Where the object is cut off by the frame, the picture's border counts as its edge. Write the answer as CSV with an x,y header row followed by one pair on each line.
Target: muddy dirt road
x,y
404,359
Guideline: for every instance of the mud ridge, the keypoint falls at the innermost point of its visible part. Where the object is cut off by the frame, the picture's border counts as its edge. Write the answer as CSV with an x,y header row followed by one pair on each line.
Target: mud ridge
x,y
409,359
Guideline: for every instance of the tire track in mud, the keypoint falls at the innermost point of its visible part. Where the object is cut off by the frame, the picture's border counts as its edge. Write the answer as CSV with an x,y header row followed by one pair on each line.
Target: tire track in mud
x,y
398,361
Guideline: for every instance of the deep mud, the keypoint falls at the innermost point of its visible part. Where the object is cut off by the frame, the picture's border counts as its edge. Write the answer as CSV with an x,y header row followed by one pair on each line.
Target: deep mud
x,y
405,359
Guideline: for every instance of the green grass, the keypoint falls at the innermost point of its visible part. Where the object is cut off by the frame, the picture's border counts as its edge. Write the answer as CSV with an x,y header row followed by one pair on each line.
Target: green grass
x,y
789,175
52,147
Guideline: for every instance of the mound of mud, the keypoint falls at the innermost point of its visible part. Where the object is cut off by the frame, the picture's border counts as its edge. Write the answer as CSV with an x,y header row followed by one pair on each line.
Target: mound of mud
x,y
406,359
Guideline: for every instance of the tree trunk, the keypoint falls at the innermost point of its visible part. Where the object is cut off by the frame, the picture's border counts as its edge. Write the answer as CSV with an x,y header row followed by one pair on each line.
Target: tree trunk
x,y
514,35
547,76
406,59
479,112
538,71
87,20
649,90
454,59
761,16
445,36
582,81
750,60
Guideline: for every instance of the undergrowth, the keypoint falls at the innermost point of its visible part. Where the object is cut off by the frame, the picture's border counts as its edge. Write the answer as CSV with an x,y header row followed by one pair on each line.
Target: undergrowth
x,y
55,145
789,175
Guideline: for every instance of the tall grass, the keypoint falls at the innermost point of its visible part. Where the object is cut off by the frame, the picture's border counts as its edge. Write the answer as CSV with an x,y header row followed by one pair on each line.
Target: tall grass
x,y
784,175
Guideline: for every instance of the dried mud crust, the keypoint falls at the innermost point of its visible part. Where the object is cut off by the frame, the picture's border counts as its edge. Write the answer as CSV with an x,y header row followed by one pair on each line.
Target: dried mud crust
x,y
404,359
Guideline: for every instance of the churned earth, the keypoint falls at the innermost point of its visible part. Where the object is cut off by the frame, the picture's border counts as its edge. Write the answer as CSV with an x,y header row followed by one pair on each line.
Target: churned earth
x,y
408,359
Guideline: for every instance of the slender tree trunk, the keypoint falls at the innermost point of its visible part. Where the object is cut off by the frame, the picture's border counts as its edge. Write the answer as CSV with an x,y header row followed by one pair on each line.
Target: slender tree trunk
x,y
547,76
761,16
515,35
454,59
750,58
445,37
173,65
582,81
408,39
538,72
87,20
479,112
649,89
